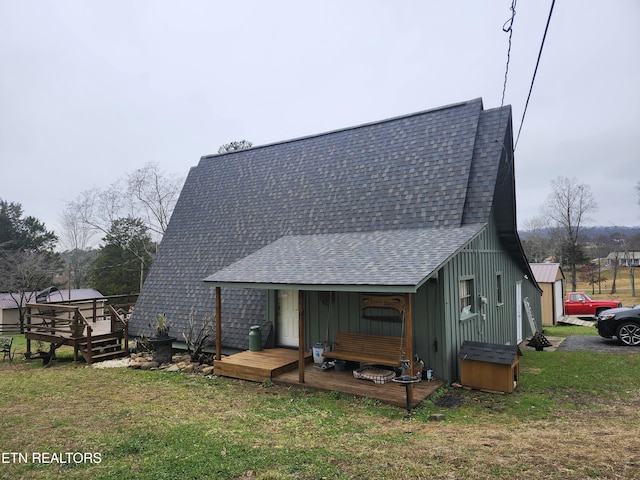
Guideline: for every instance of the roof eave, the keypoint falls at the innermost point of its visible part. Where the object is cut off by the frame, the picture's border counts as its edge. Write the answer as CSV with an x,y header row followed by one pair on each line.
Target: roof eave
x,y
318,287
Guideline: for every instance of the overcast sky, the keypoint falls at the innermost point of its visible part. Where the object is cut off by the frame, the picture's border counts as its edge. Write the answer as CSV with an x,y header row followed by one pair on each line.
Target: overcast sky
x,y
90,90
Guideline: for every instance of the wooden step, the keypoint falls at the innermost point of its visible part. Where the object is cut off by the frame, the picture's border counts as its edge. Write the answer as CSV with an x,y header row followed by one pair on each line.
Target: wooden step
x,y
108,356
105,348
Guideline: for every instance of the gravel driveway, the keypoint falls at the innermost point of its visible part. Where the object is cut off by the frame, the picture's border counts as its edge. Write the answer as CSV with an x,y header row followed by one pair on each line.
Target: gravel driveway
x,y
576,343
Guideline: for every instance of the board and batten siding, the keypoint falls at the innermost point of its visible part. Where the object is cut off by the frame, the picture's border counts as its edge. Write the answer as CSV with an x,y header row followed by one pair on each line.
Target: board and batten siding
x,y
439,329
328,313
482,260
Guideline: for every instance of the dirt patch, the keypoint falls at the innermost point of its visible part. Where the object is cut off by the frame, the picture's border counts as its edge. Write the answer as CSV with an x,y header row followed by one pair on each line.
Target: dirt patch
x,y
450,400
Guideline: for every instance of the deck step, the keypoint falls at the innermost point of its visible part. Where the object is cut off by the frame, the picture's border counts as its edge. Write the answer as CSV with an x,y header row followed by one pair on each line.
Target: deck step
x,y
108,356
106,348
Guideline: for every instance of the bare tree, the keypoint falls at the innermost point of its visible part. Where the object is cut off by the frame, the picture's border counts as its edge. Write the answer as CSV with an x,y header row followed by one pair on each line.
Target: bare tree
x,y
24,273
568,206
154,194
147,193
75,239
199,337
629,261
615,262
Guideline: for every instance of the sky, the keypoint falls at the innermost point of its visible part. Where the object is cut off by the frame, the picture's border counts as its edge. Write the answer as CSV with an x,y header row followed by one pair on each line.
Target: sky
x,y
90,91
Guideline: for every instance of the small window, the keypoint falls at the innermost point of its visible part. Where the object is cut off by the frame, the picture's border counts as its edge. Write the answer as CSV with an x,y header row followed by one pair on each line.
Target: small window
x,y
499,287
466,297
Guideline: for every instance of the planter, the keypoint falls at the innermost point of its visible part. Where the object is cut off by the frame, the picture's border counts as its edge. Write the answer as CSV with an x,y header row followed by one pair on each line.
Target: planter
x,y
162,348
77,329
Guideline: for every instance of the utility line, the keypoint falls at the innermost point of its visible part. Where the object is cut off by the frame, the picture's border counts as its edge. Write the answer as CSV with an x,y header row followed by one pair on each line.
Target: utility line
x,y
508,29
534,72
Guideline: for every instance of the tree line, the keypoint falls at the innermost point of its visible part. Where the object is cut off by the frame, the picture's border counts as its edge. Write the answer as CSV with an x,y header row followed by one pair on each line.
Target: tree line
x,y
129,216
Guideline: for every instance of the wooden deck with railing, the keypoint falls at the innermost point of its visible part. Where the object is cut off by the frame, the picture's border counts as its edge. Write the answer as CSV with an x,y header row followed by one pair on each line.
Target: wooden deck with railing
x,y
96,328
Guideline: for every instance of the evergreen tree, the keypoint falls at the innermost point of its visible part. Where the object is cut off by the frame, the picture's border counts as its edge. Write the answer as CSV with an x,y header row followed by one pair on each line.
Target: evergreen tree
x,y
124,259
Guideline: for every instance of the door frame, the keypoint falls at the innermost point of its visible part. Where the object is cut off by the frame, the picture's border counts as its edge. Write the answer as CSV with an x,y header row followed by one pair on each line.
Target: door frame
x,y
291,327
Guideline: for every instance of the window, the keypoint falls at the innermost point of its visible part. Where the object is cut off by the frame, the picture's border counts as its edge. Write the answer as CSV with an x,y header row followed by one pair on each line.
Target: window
x,y
466,297
499,288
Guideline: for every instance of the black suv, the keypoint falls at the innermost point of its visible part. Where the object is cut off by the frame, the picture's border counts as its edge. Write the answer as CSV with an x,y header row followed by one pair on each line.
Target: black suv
x,y
623,323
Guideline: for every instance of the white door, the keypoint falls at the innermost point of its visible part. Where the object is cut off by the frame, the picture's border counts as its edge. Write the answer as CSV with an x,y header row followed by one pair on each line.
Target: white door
x,y
519,311
287,318
559,304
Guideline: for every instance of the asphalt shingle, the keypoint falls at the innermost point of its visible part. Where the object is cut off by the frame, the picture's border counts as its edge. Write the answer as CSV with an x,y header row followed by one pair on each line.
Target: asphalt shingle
x,y
411,172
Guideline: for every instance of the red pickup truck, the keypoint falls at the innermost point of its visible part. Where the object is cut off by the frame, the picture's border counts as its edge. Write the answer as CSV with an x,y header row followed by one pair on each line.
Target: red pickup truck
x,y
579,303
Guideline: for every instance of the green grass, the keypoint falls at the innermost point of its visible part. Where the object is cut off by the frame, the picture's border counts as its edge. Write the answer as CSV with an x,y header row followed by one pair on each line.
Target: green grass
x,y
150,425
551,382
568,330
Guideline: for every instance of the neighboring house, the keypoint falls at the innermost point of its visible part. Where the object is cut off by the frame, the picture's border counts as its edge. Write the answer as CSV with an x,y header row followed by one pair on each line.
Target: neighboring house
x,y
421,205
623,259
10,315
551,280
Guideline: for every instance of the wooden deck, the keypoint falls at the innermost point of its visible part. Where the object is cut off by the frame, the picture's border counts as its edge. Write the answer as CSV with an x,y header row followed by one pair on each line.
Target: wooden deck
x,y
344,382
104,334
105,344
280,365
44,334
259,366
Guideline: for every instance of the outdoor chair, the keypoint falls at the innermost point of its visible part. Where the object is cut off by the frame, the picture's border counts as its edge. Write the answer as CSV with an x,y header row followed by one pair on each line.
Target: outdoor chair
x,y
5,348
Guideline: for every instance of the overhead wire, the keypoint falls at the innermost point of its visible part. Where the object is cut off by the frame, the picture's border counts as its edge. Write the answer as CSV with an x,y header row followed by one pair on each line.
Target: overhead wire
x,y
553,2
509,30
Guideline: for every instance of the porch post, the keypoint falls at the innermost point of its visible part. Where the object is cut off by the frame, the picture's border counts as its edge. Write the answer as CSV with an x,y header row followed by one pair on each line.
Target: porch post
x,y
301,336
408,316
218,325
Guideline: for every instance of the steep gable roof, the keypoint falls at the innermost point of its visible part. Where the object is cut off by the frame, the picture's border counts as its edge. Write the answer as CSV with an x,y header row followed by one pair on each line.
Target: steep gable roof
x,y
435,169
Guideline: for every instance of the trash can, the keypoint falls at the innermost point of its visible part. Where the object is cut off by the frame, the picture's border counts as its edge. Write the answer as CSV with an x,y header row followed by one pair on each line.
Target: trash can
x,y
318,348
255,339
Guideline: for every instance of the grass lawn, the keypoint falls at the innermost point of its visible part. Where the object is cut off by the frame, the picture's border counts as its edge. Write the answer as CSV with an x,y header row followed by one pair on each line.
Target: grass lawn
x,y
574,415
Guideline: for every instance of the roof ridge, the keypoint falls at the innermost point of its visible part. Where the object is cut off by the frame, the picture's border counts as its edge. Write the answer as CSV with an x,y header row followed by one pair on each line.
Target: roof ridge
x,y
354,127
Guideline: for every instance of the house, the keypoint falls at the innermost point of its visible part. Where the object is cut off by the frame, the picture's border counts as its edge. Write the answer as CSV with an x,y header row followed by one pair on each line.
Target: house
x,y
550,278
420,206
623,259
10,314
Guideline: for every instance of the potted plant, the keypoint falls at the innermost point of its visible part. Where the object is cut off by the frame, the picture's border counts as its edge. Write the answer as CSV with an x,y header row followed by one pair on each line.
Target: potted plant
x,y
162,342
77,326
161,327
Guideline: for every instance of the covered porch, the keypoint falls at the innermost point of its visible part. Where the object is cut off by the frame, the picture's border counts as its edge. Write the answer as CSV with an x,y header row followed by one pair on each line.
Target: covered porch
x,y
383,270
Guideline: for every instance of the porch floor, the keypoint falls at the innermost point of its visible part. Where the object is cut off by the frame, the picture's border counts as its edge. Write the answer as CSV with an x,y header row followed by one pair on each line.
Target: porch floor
x,y
331,380
259,366
280,365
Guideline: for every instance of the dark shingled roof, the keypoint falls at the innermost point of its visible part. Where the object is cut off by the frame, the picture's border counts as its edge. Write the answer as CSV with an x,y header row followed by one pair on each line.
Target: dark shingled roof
x,y
388,258
434,172
488,352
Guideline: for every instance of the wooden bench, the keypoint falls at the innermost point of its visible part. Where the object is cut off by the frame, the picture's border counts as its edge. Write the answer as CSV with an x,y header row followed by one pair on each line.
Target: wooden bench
x,y
5,348
365,348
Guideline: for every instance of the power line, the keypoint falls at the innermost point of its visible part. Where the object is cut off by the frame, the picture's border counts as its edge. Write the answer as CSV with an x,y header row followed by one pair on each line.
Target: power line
x,y
553,2
508,29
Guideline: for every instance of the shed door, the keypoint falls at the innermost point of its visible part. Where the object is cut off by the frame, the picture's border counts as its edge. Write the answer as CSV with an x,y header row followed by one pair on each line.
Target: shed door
x,y
559,304
287,318
519,311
